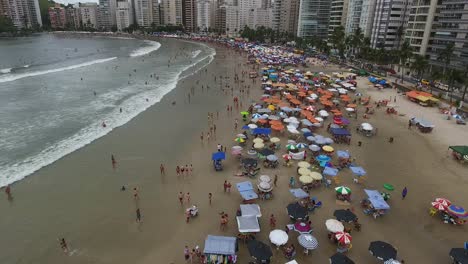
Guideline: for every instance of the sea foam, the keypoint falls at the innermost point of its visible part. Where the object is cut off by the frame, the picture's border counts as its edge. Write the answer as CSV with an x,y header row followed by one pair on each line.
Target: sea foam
x,y
6,70
153,46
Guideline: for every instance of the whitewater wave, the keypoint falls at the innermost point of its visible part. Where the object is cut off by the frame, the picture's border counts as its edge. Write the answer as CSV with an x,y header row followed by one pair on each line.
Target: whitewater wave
x,y
14,77
6,70
134,106
195,53
153,46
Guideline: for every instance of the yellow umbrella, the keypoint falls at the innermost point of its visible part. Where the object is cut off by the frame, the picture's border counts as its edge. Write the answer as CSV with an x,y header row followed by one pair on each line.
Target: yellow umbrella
x,y
306,179
259,145
304,171
303,164
274,140
240,140
271,107
327,148
258,140
315,175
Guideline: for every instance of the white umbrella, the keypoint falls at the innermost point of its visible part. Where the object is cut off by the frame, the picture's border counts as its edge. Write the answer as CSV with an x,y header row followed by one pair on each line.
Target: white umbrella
x,y
241,136
323,113
264,186
311,138
252,126
307,241
259,145
328,141
349,109
278,237
319,119
236,148
258,140
265,178
334,225
274,140
314,148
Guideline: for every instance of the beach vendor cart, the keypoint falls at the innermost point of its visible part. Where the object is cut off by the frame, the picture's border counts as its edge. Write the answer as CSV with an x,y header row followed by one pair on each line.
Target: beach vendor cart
x,y
375,204
423,125
460,153
217,157
366,129
247,192
220,249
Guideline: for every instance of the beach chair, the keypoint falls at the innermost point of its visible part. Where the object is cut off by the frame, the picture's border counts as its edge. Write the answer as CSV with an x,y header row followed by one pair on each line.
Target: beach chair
x,y
432,211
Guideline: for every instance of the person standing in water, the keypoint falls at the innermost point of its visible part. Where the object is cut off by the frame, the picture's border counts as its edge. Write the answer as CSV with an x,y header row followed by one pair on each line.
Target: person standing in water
x,y
114,163
138,215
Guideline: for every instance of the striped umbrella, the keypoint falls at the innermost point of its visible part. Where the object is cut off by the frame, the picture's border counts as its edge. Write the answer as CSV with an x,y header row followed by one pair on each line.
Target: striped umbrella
x,y
457,211
240,140
343,238
291,147
343,190
256,115
301,145
443,201
439,206
307,241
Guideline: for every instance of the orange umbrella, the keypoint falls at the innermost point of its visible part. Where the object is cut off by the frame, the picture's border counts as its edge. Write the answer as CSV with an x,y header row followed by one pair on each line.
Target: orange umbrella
x,y
262,121
277,127
351,105
313,120
275,122
337,113
346,99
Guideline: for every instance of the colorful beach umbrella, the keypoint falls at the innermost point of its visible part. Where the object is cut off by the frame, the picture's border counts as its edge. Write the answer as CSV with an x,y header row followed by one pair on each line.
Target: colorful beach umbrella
x,y
343,190
240,140
439,206
327,148
457,211
301,145
244,113
286,157
343,238
256,116
303,164
291,147
302,228
443,201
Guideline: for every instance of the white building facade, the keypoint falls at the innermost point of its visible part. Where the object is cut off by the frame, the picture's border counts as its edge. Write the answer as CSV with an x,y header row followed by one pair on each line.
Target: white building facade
x,y
204,15
124,15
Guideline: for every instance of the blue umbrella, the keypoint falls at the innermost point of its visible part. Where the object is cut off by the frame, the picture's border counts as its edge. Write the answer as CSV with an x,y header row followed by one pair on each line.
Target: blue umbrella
x,y
304,130
308,134
245,127
359,171
256,115
310,138
301,145
323,158
330,171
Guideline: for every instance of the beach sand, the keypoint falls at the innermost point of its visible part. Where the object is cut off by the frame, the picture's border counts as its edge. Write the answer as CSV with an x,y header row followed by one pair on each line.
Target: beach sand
x,y
79,197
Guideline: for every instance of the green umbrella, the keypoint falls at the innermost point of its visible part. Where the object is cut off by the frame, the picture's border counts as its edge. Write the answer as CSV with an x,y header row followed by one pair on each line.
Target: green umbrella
x,y
244,113
291,147
389,187
343,190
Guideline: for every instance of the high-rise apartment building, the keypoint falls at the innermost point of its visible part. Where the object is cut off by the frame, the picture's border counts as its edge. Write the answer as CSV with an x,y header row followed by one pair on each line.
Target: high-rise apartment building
x,y
285,16
73,17
434,24
232,20
220,19
156,13
57,17
338,15
313,18
360,15
171,12
189,19
143,12
106,14
204,14
247,10
124,15
23,13
390,18
88,12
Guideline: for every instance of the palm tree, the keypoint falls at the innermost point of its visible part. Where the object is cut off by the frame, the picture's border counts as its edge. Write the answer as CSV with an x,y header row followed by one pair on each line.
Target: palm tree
x,y
404,54
454,76
446,55
419,65
337,39
399,34
357,39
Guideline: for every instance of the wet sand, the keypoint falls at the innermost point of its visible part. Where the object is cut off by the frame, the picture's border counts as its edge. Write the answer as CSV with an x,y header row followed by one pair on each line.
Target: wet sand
x,y
79,197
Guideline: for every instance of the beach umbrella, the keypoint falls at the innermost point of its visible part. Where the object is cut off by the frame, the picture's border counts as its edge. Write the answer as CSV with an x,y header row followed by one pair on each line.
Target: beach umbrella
x,y
343,154
274,140
314,148
444,201
439,206
271,107
306,179
457,211
307,134
459,255
349,109
327,148
272,158
296,211
307,241
301,145
259,145
286,157
244,113
315,176
330,171
259,251
258,140
264,178
340,258
311,139
303,164
264,110
343,215
334,225
382,250
323,158
343,190
304,130
264,186
328,141
303,171
302,228
239,148
389,187
319,119
320,141
256,116
278,237
246,127
291,147
241,136
239,139
264,116
343,238
249,162
273,117
359,171
323,113
392,261
252,126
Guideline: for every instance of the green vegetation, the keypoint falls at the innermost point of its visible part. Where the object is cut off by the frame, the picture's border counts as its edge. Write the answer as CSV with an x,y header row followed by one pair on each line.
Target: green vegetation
x,y
6,25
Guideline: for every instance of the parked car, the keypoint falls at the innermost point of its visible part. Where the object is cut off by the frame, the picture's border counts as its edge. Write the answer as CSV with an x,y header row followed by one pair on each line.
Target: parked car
x,y
425,82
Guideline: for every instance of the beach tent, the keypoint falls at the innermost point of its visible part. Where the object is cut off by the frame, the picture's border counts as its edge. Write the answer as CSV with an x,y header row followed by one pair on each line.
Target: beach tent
x,y
250,210
299,193
248,224
343,154
218,156
359,171
220,245
377,200
462,150
340,132
246,191
261,131
330,171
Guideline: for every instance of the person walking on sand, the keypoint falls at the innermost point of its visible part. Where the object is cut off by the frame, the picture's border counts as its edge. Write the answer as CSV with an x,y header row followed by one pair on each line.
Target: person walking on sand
x,y
272,221
114,163
8,192
210,195
63,245
225,186
275,180
187,196
135,193
178,170
404,193
187,170
186,253
138,215
181,198
228,189
162,169
191,169
235,124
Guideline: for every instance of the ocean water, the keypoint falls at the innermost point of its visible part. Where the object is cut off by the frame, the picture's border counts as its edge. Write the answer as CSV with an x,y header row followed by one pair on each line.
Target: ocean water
x,y
57,91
